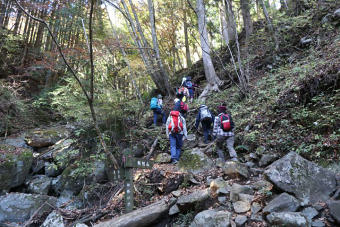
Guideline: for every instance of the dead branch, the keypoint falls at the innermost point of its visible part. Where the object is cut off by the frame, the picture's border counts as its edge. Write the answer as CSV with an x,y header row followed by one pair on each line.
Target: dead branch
x,y
33,215
152,148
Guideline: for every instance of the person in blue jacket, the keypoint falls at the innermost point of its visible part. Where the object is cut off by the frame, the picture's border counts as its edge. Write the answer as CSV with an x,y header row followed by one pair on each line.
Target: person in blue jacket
x,y
158,111
205,117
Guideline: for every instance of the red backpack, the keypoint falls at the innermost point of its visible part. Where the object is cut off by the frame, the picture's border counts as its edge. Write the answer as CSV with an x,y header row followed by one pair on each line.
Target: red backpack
x,y
225,122
184,106
176,125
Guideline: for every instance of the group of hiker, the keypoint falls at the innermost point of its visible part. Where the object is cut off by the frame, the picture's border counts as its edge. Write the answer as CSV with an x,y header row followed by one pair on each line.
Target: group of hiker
x,y
220,127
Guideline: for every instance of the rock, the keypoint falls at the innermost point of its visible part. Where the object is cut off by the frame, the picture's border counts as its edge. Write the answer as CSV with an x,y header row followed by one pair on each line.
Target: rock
x,y
52,170
256,218
255,208
250,164
267,159
336,14
138,218
310,213
191,142
235,169
199,199
283,202
163,158
255,171
245,197
99,173
219,186
305,41
46,137
19,207
326,19
176,193
222,199
241,206
263,185
240,220
38,165
291,219
195,161
236,189
306,180
53,220
80,225
15,164
318,223
39,184
334,209
16,142
68,201
174,210
212,218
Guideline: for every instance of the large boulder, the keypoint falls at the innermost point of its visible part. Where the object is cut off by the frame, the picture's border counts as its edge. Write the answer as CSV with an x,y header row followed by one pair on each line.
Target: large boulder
x,y
39,184
267,159
199,200
195,161
235,169
19,207
334,209
138,218
212,218
15,164
53,220
336,14
306,180
283,202
46,137
291,219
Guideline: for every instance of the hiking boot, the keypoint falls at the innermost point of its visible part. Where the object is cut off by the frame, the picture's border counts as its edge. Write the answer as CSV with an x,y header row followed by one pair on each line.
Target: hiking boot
x,y
174,162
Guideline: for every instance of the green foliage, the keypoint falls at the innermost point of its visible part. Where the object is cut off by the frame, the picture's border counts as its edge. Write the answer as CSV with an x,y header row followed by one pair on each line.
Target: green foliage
x,y
185,219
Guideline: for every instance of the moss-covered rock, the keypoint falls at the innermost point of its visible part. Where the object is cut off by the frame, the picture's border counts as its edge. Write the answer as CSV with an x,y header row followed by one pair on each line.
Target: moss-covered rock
x,y
46,137
195,161
15,164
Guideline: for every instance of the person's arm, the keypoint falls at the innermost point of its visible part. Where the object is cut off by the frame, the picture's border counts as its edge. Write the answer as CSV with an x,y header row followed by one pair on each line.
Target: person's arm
x,y
232,125
212,115
184,128
167,126
198,118
215,126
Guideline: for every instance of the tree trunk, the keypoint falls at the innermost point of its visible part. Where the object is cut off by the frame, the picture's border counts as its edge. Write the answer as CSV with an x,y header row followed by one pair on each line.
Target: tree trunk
x,y
164,74
40,32
213,81
186,39
247,22
270,25
17,22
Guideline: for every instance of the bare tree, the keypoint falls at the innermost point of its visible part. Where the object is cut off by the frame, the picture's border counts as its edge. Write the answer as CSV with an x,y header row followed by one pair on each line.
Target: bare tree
x,y
270,25
89,95
213,81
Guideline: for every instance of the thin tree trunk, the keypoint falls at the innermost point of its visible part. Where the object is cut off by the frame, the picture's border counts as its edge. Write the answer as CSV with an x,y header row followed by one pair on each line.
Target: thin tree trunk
x,y
137,93
17,22
165,77
213,81
247,22
186,39
270,25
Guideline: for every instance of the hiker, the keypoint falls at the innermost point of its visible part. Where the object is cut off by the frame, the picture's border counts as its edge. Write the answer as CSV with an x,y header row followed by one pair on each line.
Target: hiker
x,y
175,130
185,92
188,84
180,105
224,130
205,117
156,105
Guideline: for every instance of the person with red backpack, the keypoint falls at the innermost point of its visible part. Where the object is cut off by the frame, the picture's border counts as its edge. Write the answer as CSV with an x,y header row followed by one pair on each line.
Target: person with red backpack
x,y
175,130
180,105
224,130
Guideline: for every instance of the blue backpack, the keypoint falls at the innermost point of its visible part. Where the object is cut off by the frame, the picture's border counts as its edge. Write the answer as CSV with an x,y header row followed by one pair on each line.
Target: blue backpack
x,y
154,103
188,84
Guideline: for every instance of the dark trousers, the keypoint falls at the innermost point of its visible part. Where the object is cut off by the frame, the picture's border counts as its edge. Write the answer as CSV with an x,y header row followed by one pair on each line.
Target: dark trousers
x,y
157,112
206,126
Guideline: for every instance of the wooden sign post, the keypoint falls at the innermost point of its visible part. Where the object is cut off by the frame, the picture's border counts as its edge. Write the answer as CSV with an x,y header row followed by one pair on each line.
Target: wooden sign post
x,y
126,173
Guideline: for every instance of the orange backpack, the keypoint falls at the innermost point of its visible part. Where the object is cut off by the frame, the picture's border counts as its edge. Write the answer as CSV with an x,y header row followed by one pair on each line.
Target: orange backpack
x,y
176,125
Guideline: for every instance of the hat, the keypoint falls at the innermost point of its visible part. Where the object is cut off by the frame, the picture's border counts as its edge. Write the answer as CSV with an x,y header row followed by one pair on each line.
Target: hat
x,y
159,96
